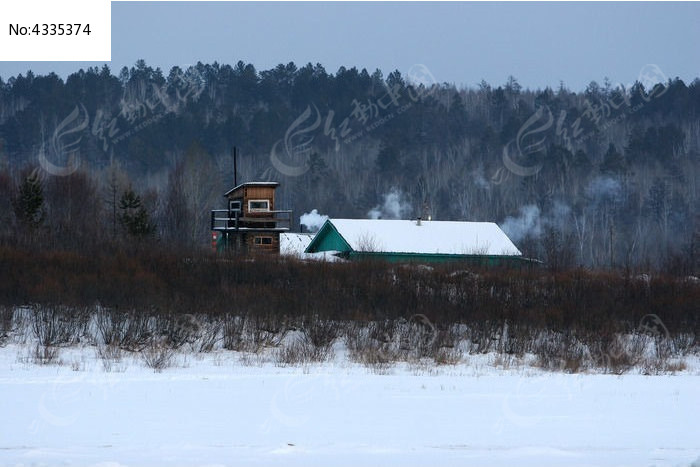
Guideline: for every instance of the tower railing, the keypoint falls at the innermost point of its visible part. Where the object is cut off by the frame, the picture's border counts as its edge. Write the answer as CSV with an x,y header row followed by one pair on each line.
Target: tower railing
x,y
225,220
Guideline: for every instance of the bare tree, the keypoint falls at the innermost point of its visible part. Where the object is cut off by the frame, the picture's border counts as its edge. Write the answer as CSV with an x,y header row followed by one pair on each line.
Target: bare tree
x,y
190,194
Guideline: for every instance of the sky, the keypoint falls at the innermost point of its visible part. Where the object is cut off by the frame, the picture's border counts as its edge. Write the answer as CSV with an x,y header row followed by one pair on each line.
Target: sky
x,y
540,44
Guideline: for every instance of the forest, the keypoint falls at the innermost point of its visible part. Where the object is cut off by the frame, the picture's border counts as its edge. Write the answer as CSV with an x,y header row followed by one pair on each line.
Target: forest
x,y
601,178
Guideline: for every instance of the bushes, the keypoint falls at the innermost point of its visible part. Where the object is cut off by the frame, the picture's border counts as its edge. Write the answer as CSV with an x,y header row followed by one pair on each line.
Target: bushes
x,y
158,354
6,315
382,312
58,325
302,350
281,288
158,338
127,330
233,327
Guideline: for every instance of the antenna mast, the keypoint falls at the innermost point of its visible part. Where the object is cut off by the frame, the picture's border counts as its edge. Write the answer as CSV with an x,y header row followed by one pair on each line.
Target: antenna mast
x,y
235,167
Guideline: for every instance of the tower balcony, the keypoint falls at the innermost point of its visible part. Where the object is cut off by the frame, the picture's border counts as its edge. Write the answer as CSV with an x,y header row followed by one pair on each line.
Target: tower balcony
x,y
223,220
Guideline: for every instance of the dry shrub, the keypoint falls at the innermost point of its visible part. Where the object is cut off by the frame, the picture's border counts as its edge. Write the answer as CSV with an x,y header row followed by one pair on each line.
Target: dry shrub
x,y
110,356
129,330
265,331
45,354
209,334
59,325
674,366
371,345
158,354
6,328
449,355
624,353
177,329
322,333
482,337
253,333
233,332
302,350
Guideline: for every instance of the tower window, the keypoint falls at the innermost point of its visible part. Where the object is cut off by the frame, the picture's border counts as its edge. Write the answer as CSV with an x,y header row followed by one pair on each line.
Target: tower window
x,y
258,205
234,206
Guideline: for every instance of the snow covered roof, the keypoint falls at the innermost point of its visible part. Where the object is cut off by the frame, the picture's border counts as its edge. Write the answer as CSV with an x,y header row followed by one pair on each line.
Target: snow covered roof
x,y
430,237
295,244
270,184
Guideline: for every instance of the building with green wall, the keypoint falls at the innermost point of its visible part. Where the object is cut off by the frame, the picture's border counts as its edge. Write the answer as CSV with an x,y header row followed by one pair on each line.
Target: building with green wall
x,y
418,241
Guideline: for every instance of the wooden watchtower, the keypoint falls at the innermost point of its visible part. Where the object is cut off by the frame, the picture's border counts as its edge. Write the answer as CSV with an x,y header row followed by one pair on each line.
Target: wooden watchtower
x,y
250,224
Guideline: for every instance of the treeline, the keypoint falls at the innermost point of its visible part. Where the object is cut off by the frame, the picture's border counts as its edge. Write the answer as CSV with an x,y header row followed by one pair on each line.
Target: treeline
x,y
86,212
603,177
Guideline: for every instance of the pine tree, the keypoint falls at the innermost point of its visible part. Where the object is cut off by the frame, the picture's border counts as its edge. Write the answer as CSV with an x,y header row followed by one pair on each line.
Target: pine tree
x,y
613,162
115,179
28,203
134,217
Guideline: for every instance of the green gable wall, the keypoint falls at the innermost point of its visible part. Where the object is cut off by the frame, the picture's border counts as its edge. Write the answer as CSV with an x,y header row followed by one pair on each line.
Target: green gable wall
x,y
328,239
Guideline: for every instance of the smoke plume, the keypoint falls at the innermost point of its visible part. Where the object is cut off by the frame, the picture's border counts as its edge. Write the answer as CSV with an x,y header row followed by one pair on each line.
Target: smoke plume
x,y
393,207
603,188
527,223
530,222
313,220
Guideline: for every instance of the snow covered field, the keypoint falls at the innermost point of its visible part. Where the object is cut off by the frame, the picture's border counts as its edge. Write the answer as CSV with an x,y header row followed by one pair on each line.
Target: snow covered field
x,y
220,409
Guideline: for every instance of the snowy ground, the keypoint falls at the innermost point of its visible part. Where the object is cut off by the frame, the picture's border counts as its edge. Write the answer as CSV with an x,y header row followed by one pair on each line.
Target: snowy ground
x,y
217,409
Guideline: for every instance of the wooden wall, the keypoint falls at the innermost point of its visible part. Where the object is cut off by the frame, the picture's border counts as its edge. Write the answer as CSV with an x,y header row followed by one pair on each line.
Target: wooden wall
x,y
254,192
252,247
